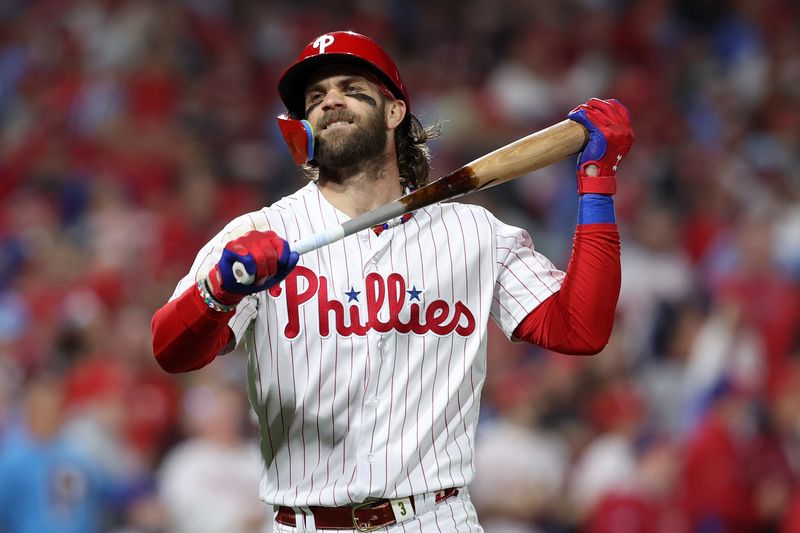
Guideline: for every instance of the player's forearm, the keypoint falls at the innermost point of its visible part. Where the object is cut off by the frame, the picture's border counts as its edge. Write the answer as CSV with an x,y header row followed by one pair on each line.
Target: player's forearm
x,y
578,318
187,334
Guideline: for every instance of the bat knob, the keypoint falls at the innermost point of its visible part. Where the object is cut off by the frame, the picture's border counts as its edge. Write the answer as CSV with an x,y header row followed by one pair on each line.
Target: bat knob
x,y
241,275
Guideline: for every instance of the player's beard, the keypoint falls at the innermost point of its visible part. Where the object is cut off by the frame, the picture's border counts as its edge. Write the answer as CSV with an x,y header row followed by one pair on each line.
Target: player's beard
x,y
354,147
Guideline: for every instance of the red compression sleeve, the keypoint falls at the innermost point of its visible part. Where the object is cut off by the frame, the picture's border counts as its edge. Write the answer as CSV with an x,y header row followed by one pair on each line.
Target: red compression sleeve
x,y
577,319
187,334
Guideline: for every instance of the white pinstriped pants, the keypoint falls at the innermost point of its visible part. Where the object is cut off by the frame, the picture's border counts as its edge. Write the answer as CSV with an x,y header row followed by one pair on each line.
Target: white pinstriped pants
x,y
453,515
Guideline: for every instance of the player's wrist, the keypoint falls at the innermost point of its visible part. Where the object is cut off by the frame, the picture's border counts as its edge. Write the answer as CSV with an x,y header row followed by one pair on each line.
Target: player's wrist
x,y
606,185
594,208
216,289
594,177
210,300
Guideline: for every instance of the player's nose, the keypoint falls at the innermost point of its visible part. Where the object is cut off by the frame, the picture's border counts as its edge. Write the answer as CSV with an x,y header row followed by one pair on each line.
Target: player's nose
x,y
332,100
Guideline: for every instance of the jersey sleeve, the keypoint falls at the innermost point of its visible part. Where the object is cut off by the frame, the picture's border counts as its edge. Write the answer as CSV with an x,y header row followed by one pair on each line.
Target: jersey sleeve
x,y
209,255
524,277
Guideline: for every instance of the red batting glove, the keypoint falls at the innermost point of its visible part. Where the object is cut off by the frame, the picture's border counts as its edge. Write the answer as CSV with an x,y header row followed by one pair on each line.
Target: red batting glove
x,y
264,255
610,139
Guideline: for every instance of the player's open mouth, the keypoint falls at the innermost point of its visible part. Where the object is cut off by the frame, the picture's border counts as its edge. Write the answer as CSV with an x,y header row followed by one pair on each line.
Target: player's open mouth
x,y
337,124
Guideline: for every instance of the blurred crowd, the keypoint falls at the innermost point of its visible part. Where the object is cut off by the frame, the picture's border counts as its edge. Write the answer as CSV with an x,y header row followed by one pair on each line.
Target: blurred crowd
x,y
132,130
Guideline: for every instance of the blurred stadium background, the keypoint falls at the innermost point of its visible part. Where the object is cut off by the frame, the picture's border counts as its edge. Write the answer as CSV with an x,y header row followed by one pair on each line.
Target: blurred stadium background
x,y
132,130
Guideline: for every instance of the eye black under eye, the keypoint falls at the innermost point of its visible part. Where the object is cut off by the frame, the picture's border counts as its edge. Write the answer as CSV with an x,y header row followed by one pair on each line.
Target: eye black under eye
x,y
363,97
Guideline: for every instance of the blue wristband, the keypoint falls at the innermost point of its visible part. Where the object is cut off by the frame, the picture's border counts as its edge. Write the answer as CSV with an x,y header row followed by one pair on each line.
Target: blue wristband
x,y
596,209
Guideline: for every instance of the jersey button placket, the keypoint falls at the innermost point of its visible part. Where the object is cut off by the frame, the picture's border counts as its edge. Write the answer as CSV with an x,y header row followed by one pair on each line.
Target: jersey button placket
x,y
369,413
373,257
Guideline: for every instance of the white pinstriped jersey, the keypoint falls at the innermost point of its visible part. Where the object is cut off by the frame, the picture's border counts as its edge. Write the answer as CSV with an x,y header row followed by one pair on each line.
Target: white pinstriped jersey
x,y
366,364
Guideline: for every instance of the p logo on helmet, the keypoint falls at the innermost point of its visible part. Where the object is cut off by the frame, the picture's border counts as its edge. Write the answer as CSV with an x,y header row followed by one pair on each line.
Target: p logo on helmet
x,y
323,41
334,48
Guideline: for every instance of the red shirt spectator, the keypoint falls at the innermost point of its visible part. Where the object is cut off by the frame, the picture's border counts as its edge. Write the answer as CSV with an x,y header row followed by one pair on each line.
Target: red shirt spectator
x,y
718,490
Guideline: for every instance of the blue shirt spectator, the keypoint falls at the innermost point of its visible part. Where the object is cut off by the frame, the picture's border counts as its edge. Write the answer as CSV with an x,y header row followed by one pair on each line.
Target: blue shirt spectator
x,y
48,486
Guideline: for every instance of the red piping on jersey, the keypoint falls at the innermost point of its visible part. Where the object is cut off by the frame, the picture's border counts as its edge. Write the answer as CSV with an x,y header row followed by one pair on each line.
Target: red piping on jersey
x,y
578,319
187,334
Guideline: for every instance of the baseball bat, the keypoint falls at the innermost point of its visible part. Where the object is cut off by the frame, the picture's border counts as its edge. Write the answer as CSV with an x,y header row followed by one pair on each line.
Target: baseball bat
x,y
524,155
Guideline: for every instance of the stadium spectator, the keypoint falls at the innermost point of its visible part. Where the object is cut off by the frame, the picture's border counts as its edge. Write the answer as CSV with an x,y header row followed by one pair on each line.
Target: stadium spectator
x,y
209,482
49,485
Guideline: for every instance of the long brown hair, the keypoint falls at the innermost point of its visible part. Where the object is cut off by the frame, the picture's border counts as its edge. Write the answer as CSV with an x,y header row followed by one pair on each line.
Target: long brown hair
x,y
413,153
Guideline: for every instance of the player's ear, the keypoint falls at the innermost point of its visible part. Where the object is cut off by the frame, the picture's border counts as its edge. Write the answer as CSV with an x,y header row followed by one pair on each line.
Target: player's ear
x,y
395,113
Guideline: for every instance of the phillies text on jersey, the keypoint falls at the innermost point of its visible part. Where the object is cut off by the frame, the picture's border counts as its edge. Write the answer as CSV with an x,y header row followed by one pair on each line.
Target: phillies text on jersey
x,y
377,290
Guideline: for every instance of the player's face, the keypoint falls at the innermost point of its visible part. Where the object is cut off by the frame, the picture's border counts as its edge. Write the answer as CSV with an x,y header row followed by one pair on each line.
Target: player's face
x,y
348,113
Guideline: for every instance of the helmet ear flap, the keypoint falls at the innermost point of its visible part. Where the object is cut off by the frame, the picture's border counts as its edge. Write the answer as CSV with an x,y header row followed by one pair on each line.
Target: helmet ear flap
x,y
299,137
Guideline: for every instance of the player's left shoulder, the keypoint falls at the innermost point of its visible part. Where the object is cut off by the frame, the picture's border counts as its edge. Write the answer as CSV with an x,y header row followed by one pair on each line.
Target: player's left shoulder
x,y
473,219
466,211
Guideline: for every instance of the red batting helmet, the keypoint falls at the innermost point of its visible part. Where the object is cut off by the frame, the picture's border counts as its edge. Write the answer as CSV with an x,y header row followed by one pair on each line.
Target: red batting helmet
x,y
338,47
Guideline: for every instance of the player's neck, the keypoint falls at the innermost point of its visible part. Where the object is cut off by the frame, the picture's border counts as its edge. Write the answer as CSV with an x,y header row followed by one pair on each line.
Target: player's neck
x,y
360,190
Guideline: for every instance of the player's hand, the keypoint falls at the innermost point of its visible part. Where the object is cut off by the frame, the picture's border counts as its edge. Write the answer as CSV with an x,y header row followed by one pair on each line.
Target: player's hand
x,y
610,139
264,255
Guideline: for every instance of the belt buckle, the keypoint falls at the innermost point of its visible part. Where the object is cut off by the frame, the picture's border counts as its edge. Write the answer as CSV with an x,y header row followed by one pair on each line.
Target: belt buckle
x,y
366,526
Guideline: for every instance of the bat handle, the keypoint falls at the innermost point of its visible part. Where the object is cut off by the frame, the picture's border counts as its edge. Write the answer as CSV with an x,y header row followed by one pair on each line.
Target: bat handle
x,y
318,240
301,246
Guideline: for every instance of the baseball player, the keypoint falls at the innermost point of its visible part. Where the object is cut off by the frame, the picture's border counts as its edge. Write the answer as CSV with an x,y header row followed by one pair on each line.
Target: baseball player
x,y
366,357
